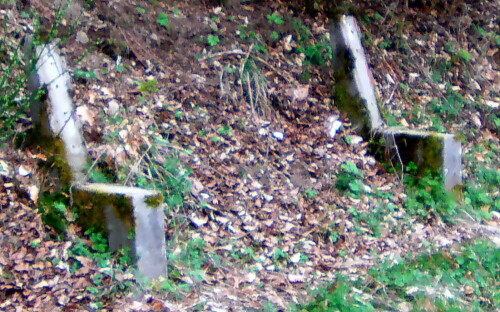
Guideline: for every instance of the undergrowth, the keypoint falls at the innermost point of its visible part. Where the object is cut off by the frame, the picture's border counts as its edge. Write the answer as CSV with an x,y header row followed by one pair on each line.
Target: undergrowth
x,y
457,278
427,199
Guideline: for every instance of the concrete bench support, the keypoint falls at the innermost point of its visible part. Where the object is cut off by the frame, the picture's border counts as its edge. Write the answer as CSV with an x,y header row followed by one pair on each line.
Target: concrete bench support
x,y
430,151
129,216
355,95
134,218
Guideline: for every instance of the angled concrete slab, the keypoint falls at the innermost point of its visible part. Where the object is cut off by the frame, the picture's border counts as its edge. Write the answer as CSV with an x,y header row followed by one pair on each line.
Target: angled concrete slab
x,y
429,151
134,218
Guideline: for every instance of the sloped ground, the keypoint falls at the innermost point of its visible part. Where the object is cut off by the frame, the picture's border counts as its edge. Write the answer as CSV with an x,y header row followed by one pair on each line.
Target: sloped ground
x,y
273,222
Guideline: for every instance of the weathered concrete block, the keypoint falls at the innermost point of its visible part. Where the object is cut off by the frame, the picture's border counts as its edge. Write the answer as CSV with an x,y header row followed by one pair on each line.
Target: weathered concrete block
x,y
354,89
132,217
437,152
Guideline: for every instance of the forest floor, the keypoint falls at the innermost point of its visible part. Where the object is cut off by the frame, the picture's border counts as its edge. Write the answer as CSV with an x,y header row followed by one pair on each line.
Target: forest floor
x,y
228,109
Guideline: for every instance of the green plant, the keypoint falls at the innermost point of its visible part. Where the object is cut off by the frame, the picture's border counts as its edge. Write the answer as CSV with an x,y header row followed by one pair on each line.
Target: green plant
x,y
141,10
310,193
89,4
274,19
194,255
301,31
373,221
225,130
170,286
443,277
337,297
441,67
190,260
274,35
246,255
13,102
269,307
213,40
260,48
82,74
462,56
279,256
427,198
450,106
480,194
348,179
163,20
317,54
147,87
457,278
53,208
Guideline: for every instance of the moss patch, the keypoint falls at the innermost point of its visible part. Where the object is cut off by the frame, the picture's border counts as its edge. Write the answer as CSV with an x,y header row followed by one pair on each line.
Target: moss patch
x,y
89,207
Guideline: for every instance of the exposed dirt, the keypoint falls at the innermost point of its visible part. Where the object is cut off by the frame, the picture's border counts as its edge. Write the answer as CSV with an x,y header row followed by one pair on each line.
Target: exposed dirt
x,y
258,190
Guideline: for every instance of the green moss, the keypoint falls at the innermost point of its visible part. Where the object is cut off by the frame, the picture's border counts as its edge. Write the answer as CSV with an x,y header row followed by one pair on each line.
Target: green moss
x,y
54,150
349,103
419,152
53,208
90,207
154,201
431,153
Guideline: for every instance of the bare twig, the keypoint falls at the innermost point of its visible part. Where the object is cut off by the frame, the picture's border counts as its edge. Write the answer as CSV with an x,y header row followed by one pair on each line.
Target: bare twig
x,y
247,55
240,52
399,158
250,95
136,165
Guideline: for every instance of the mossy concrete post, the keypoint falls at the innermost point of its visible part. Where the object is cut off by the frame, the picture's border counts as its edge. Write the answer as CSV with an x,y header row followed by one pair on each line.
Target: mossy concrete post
x,y
117,210
57,121
354,83
355,95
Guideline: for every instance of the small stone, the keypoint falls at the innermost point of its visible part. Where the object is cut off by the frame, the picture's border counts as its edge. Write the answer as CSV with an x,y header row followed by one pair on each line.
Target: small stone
x,y
251,276
81,37
278,135
295,258
23,171
356,139
476,121
113,107
332,126
268,197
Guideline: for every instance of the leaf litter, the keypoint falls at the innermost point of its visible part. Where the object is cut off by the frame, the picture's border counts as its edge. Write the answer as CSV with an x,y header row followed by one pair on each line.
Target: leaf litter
x,y
273,222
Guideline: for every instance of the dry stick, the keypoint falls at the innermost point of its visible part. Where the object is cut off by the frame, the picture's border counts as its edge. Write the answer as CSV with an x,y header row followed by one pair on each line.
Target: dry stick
x,y
221,85
242,69
391,95
136,165
250,95
242,66
287,77
256,86
399,158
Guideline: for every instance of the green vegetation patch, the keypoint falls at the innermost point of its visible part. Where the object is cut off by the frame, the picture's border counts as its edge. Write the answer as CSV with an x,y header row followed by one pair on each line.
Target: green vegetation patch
x,y
458,278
